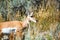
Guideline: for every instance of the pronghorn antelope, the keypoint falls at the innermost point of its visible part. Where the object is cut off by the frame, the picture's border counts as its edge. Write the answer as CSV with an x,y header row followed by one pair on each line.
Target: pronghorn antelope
x,y
18,26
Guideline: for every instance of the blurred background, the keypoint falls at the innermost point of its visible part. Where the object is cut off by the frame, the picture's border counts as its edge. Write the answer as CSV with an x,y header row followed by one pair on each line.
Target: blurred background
x,y
47,12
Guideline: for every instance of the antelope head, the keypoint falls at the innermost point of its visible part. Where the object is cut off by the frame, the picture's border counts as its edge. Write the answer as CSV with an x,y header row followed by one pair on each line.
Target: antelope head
x,y
28,19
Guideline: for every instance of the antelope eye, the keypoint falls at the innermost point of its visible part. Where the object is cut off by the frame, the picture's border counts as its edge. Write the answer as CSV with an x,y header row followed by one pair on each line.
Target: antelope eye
x,y
31,16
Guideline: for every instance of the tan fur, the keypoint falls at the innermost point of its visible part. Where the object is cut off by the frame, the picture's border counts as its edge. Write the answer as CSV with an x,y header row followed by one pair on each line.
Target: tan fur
x,y
20,25
12,24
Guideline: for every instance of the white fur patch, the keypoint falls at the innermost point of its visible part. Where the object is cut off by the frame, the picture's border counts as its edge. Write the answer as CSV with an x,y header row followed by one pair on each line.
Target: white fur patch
x,y
9,30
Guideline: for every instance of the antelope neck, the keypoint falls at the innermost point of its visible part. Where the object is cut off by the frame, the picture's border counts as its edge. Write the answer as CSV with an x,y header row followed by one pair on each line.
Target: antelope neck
x,y
25,22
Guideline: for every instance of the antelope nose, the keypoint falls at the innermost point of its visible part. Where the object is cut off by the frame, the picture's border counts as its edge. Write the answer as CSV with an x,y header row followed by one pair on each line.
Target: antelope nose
x,y
36,20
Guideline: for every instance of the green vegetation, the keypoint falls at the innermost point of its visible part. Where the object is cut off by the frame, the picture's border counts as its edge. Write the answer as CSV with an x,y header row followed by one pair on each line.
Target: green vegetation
x,y
47,12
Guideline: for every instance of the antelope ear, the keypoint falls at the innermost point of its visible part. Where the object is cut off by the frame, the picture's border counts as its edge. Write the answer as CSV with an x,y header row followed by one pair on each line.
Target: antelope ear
x,y
31,14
